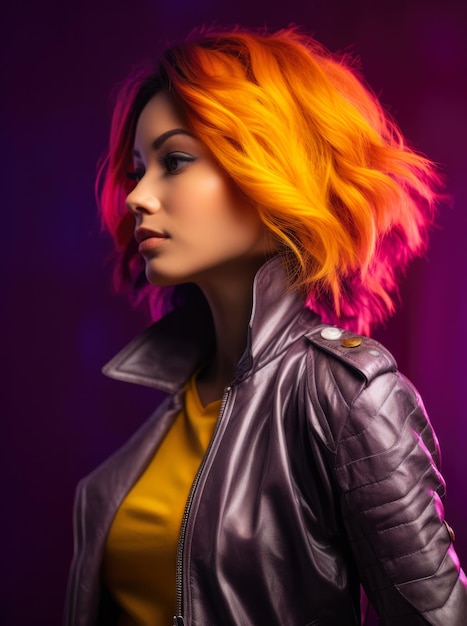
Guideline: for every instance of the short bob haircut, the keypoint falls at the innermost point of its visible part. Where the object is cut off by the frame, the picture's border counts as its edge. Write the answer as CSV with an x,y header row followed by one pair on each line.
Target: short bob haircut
x,y
295,128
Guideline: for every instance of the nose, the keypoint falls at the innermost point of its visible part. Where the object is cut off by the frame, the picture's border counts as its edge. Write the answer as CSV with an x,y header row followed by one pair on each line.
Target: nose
x,y
142,200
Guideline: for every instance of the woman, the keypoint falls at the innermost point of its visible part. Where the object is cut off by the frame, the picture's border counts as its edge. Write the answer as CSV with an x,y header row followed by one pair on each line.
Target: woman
x,y
266,196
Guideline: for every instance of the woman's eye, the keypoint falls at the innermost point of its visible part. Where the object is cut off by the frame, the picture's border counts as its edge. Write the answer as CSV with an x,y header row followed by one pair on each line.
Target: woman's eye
x,y
136,175
174,162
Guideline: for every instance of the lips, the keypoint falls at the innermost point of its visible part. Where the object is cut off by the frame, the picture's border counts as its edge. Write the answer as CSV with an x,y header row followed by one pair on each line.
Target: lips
x,y
141,234
149,240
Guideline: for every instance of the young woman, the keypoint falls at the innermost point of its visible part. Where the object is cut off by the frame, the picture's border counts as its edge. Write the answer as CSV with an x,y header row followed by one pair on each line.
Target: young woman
x,y
271,204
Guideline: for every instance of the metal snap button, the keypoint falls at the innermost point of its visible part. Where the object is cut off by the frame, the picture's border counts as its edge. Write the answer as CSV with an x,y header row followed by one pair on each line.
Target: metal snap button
x,y
331,332
351,342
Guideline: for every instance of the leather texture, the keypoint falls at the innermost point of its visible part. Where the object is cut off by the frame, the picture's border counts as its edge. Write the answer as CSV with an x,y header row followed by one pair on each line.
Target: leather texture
x,y
323,473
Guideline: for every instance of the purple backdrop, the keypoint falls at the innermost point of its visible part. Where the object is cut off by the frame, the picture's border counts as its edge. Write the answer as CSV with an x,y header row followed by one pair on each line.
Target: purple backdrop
x,y
60,321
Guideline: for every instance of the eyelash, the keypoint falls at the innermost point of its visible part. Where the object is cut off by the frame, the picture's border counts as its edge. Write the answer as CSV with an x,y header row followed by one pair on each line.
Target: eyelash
x,y
139,172
177,156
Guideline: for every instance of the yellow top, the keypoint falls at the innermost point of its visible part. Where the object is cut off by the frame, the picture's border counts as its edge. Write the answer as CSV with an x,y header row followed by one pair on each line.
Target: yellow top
x,y
140,552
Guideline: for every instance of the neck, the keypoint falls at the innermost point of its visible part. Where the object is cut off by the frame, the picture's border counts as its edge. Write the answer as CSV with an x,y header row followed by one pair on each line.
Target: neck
x,y
230,298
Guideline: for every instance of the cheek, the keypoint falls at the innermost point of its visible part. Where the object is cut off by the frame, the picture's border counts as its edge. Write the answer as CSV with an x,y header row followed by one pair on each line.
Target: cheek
x,y
227,205
217,215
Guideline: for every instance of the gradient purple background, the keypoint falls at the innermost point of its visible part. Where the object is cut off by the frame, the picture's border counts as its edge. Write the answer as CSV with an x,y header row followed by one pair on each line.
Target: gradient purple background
x,y
60,321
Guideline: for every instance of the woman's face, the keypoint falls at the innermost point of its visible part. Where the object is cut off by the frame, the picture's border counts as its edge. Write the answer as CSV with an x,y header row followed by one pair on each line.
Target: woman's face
x,y
192,223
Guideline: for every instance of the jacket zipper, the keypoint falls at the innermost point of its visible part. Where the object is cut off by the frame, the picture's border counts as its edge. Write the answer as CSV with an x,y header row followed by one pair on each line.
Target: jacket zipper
x,y
178,619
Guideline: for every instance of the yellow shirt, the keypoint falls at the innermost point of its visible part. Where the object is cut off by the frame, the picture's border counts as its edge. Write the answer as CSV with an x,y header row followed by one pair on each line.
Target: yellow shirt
x,y
140,552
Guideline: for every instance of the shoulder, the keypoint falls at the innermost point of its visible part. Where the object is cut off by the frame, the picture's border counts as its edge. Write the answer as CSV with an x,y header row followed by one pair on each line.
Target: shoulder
x,y
351,379
114,472
362,356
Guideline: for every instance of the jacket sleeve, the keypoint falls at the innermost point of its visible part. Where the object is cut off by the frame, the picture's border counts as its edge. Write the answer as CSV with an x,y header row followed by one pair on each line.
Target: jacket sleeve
x,y
386,461
73,578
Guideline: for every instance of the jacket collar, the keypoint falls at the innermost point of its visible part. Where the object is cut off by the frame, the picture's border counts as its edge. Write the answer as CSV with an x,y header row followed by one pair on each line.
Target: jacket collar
x,y
168,352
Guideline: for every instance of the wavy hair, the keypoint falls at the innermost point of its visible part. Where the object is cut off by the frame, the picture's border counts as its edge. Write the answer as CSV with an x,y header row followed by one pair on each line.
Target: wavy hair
x,y
300,134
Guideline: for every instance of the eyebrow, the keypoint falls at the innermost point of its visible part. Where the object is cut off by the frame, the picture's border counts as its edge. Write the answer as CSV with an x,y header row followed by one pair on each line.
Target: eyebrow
x,y
157,143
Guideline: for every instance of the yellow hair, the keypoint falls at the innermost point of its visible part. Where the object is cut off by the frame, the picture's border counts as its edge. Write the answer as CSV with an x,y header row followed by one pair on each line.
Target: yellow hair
x,y
327,169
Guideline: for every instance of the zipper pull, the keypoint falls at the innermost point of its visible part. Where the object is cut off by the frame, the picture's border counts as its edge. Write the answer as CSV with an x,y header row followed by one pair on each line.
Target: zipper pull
x,y
178,620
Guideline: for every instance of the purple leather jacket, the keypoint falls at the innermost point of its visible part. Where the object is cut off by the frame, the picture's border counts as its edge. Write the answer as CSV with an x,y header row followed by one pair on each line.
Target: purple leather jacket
x,y
322,474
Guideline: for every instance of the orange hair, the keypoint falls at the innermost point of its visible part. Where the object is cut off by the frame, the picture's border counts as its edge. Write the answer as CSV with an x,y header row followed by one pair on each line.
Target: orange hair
x,y
328,171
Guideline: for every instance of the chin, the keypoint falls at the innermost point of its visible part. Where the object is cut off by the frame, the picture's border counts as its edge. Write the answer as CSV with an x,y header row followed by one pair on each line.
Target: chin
x,y
165,279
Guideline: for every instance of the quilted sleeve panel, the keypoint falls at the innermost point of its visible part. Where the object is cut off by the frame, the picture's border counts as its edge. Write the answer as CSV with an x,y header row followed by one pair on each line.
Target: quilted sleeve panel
x,y
387,466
